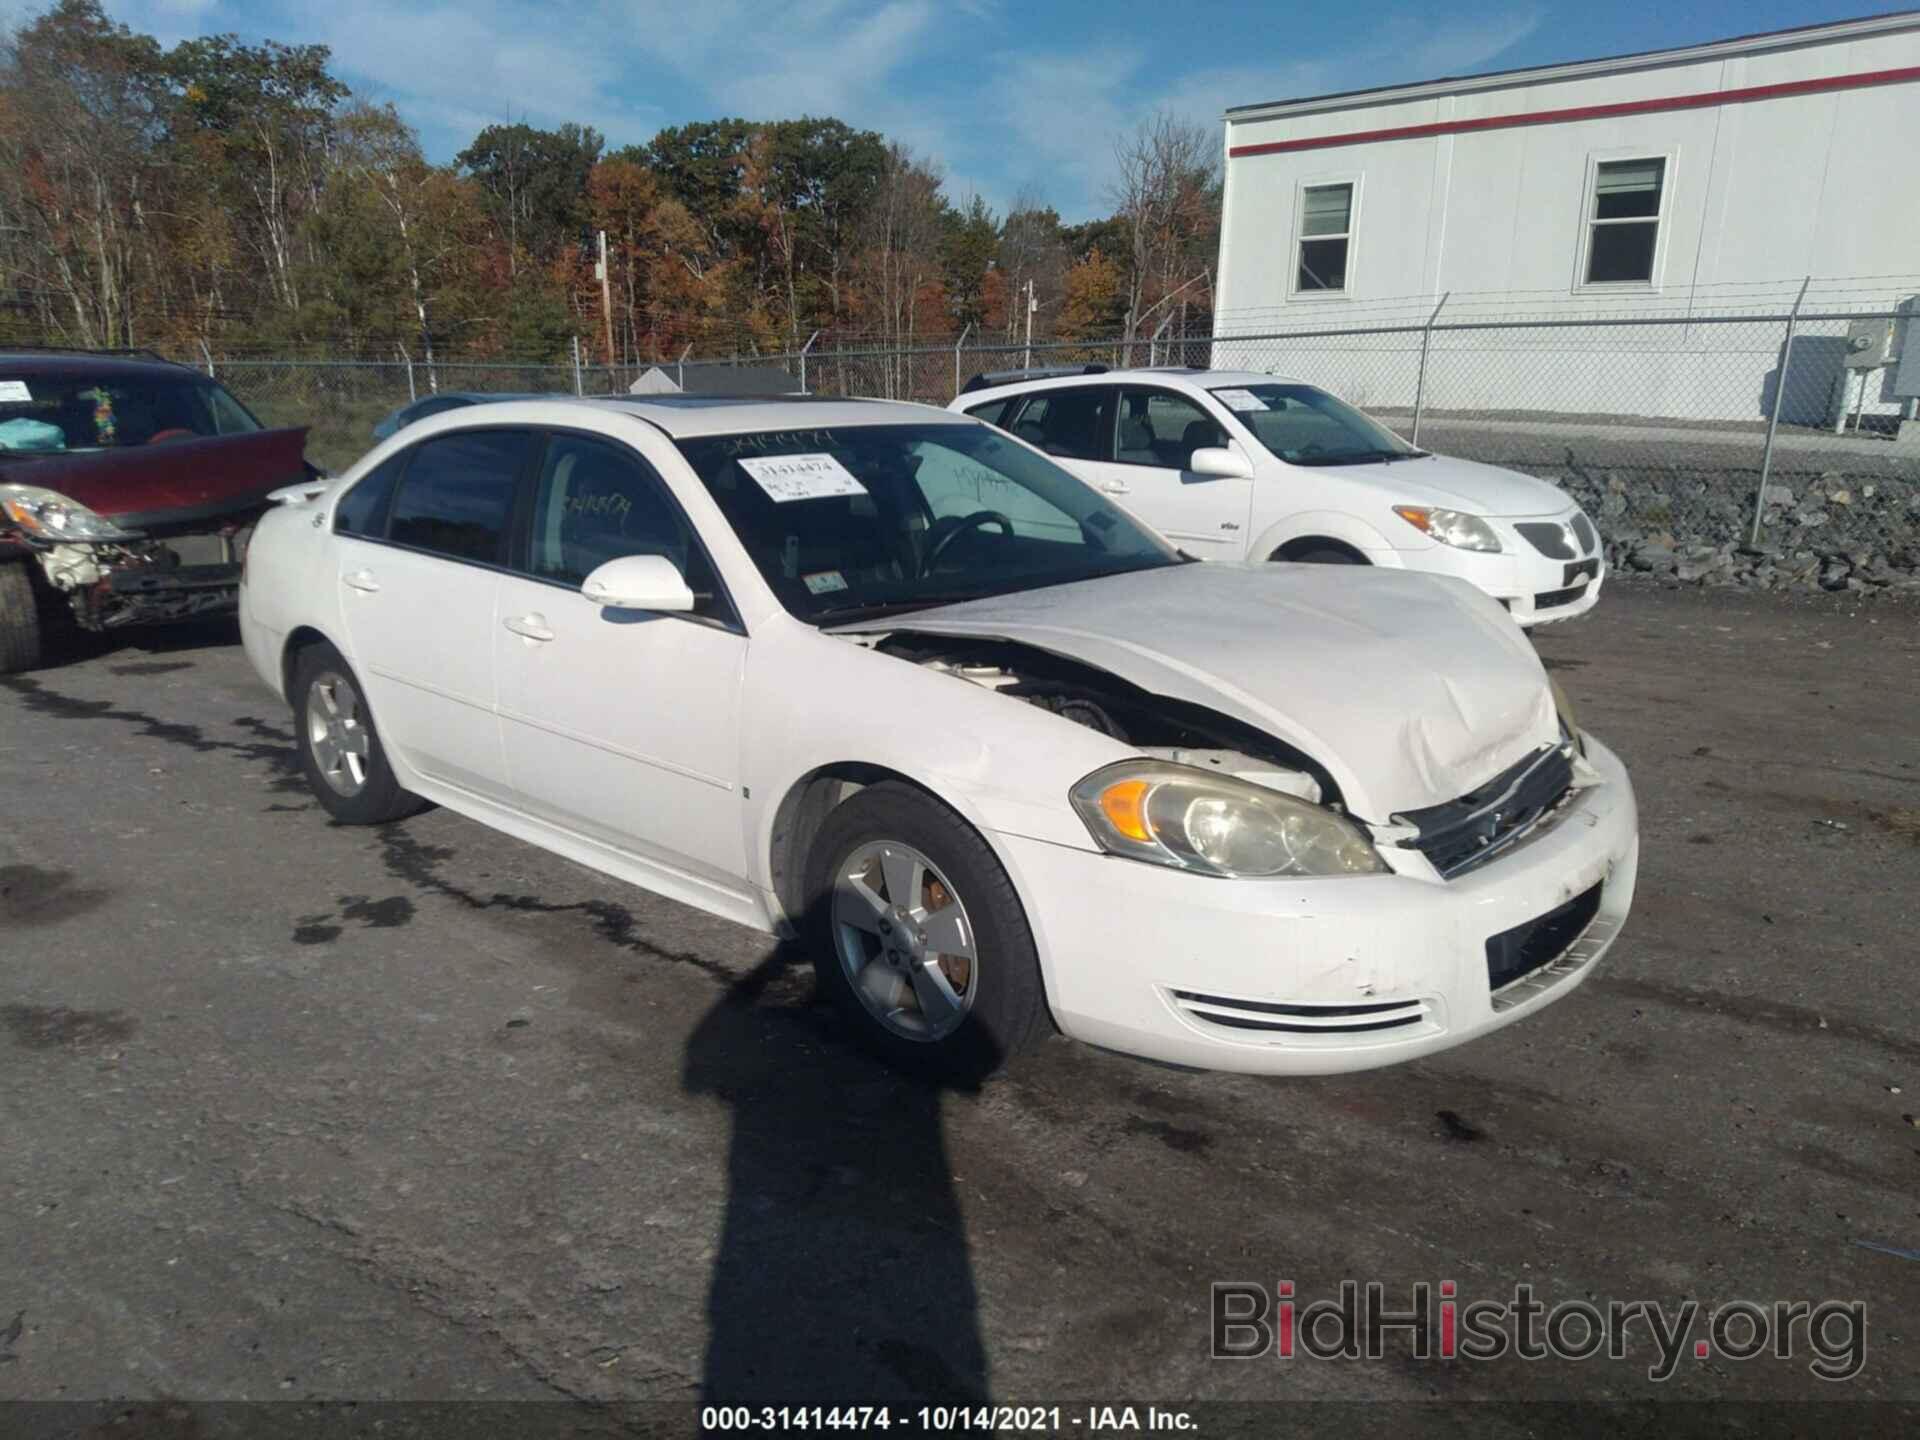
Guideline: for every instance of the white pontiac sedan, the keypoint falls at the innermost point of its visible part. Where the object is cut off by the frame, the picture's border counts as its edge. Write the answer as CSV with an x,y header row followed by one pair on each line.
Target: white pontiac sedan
x,y
882,675
1235,465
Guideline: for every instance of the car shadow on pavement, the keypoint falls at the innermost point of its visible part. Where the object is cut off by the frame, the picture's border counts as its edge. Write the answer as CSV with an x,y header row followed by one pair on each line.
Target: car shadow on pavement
x,y
843,1274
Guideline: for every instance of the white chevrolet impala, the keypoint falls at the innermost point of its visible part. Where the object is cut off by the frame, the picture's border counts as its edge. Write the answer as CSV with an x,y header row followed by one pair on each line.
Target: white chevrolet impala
x,y
892,679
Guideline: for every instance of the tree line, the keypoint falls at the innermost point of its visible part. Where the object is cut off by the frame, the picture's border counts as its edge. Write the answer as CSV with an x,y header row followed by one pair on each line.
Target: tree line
x,y
239,197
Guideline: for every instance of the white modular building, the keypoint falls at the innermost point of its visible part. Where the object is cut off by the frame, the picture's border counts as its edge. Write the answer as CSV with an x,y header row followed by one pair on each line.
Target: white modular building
x,y
1708,179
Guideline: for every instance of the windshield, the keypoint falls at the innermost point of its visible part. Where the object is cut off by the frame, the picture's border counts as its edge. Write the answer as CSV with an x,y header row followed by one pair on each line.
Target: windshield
x,y
41,416
1303,425
855,521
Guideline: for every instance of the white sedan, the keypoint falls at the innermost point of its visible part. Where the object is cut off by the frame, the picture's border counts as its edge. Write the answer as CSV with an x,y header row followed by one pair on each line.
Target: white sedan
x,y
1235,465
886,676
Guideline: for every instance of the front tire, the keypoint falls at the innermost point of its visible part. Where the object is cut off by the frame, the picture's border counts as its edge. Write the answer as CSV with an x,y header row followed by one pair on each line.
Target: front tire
x,y
1323,555
340,751
20,629
918,937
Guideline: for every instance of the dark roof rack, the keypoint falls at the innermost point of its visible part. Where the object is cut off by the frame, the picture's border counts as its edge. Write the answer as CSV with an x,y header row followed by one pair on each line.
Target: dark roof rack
x,y
990,378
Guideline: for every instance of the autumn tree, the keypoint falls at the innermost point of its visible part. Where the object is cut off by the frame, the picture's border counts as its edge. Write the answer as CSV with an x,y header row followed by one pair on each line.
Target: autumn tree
x,y
1166,200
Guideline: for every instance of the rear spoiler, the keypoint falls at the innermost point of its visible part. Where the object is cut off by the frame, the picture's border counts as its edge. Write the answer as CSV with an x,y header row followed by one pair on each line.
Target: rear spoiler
x,y
301,493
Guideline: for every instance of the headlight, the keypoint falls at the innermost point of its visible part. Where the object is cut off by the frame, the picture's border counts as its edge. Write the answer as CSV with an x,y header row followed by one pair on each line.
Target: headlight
x,y
56,519
1193,820
1564,708
1450,527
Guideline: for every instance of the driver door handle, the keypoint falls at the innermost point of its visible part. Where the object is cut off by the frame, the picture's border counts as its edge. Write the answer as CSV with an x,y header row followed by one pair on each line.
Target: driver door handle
x,y
529,627
1115,487
361,580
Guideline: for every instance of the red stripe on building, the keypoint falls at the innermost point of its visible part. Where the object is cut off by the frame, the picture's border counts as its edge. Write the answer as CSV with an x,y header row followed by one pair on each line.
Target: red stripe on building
x,y
1589,112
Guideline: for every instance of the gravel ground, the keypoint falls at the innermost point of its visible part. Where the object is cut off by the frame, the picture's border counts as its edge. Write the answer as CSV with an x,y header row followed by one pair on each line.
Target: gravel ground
x,y
295,1112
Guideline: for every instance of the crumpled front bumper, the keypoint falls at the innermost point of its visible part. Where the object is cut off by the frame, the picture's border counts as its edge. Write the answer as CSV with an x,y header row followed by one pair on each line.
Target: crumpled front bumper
x,y
1325,975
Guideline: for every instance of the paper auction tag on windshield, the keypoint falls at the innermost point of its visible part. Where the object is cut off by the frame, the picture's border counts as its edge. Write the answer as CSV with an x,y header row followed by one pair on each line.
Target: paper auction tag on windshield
x,y
800,477
1240,400
14,390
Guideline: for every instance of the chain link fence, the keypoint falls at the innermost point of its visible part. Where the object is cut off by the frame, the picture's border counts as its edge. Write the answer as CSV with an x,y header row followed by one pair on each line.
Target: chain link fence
x,y
1755,445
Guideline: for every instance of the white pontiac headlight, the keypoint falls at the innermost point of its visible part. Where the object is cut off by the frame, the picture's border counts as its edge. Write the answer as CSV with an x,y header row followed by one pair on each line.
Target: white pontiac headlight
x,y
1191,819
52,517
1450,527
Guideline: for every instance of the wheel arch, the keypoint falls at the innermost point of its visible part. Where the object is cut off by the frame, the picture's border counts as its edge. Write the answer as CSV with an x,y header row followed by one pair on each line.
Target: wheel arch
x,y
1325,528
300,639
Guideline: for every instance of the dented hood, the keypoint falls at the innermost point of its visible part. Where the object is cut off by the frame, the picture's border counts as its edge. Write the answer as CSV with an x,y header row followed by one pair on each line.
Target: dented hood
x,y
1410,689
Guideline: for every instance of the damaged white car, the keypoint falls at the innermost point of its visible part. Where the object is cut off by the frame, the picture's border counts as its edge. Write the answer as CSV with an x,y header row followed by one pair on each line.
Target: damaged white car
x,y
891,678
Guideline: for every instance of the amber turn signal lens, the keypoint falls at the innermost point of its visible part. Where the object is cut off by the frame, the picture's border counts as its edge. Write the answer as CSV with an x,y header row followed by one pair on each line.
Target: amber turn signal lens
x,y
1417,516
1124,803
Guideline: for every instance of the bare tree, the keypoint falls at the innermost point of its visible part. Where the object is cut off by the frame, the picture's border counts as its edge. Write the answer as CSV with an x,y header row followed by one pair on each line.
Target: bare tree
x,y
1167,195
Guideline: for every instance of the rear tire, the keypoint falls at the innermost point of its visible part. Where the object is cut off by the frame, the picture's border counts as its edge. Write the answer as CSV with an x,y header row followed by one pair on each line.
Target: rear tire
x,y
20,627
877,953
340,751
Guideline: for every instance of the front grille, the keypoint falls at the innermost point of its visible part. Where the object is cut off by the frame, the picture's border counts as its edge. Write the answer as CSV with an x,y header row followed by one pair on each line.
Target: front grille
x,y
1554,599
1469,831
1516,953
1584,532
1549,537
1274,1018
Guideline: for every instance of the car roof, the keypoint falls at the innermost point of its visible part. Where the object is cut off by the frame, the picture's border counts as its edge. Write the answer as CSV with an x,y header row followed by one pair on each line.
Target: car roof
x,y
84,365
1178,376
685,417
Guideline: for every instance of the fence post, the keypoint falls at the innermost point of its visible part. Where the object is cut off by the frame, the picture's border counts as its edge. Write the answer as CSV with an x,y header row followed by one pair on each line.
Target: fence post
x,y
577,387
803,360
682,362
1420,383
407,360
956,357
1773,419
208,355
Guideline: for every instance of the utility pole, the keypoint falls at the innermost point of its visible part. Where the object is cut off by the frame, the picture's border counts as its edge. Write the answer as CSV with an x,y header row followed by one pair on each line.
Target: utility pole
x,y
606,299
1032,305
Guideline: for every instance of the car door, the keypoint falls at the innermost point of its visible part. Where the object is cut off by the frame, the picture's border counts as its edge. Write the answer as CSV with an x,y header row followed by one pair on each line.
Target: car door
x,y
621,726
1156,433
417,597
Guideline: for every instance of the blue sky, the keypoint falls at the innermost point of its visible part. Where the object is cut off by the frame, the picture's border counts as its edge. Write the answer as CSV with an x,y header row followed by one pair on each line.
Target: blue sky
x,y
1006,97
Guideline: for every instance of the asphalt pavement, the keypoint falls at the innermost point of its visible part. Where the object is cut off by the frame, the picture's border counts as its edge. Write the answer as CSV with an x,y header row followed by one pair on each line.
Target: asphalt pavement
x,y
295,1112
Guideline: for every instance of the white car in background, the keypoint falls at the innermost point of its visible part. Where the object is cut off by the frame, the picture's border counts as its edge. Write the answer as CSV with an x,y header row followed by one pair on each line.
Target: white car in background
x,y
1235,465
879,674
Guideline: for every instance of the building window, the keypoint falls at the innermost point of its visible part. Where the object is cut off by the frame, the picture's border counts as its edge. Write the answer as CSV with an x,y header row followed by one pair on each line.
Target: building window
x,y
1625,224
1326,231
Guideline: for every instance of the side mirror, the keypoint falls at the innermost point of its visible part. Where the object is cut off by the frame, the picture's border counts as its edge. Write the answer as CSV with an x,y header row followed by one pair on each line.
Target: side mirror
x,y
639,582
1220,463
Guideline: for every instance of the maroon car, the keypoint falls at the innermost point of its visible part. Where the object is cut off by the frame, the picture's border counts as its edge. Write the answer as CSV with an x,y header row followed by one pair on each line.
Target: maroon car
x,y
128,488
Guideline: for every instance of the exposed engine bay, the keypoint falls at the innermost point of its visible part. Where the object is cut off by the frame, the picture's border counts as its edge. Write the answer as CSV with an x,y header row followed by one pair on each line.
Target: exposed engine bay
x,y
1167,729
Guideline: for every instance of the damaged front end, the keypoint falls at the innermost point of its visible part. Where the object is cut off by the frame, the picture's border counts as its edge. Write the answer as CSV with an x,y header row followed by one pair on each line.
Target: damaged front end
x,y
112,576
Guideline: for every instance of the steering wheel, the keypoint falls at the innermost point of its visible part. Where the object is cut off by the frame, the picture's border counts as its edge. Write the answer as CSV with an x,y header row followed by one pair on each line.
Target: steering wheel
x,y
177,432
959,527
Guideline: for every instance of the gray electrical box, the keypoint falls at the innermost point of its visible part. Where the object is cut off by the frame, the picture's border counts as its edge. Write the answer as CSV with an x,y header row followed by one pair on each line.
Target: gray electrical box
x,y
1906,378
1869,344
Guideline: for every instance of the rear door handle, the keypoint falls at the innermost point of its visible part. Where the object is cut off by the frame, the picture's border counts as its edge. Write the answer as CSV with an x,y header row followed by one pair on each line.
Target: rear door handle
x,y
529,627
1115,487
361,580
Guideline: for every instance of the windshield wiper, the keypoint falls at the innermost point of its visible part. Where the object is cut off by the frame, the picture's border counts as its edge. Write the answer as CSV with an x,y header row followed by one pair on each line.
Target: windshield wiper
x,y
878,609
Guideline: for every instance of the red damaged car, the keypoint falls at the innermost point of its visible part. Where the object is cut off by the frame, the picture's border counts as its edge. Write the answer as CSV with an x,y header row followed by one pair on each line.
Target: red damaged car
x,y
128,489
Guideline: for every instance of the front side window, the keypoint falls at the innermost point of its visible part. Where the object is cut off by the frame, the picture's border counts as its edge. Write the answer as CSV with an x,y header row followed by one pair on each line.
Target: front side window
x,y
1304,425
847,522
1160,428
455,497
1326,233
596,502
1625,224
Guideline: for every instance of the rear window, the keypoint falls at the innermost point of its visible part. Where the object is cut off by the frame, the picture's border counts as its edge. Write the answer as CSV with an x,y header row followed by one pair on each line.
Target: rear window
x,y
39,415
456,496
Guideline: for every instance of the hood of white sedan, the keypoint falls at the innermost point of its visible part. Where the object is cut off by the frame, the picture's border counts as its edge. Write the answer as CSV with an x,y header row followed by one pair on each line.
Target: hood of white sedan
x,y
1411,689
1461,485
